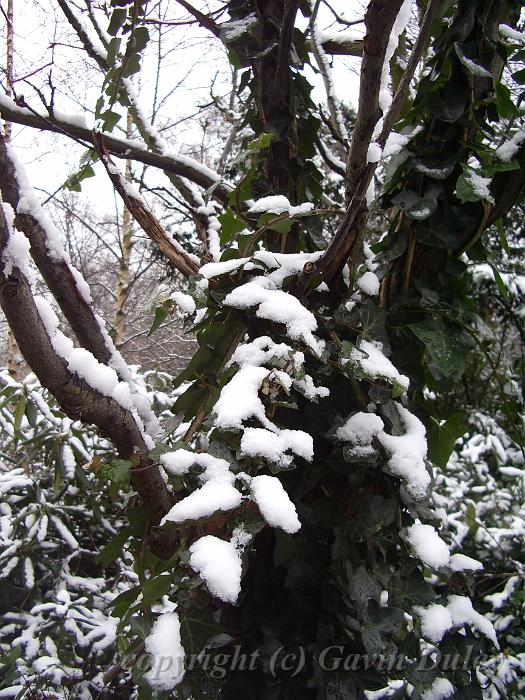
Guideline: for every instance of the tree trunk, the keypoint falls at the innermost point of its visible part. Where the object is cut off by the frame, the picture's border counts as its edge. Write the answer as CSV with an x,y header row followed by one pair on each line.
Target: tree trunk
x,y
126,245
14,358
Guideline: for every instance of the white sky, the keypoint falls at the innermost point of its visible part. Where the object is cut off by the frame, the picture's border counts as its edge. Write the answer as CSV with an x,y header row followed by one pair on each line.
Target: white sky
x,y
195,60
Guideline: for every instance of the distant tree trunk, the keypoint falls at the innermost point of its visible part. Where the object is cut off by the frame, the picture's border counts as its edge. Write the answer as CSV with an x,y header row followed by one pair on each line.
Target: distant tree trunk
x,y
14,358
126,244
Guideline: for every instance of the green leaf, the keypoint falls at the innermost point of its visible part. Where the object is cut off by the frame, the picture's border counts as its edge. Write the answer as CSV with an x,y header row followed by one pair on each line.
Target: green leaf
x,y
408,586
32,413
499,166
471,520
466,188
262,141
113,549
444,229
110,119
122,602
118,18
504,104
230,225
138,520
162,311
442,437
19,412
155,588
118,471
502,237
279,224
375,513
470,64
73,182
131,65
113,52
446,347
140,39
198,626
519,76
498,278
362,587
449,104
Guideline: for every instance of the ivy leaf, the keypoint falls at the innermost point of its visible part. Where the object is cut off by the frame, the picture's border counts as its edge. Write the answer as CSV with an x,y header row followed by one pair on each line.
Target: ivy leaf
x,y
449,104
198,626
375,513
470,64
118,18
113,52
140,39
110,119
519,76
131,65
118,471
442,437
122,602
408,586
504,104
280,225
363,587
113,549
155,588
73,183
472,186
230,226
262,141
446,347
138,520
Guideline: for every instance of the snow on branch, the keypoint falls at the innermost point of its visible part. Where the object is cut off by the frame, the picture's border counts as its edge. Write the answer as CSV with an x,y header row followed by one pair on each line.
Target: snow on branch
x,y
121,148
379,21
65,282
84,388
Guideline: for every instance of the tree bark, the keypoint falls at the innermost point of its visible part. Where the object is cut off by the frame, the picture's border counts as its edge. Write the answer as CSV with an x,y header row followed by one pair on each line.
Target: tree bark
x,y
126,244
14,359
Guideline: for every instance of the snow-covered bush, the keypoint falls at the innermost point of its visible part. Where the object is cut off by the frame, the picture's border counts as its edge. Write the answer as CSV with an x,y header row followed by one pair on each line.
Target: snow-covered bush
x,y
60,533
482,490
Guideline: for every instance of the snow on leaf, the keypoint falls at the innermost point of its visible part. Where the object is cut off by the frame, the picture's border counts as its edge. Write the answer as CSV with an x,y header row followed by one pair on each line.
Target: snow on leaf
x,y
428,545
219,564
274,503
165,647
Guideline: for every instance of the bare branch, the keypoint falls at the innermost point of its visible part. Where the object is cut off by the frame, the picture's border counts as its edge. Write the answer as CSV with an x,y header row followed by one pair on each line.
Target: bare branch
x,y
82,35
145,218
121,148
379,21
204,20
323,64
408,73
145,128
